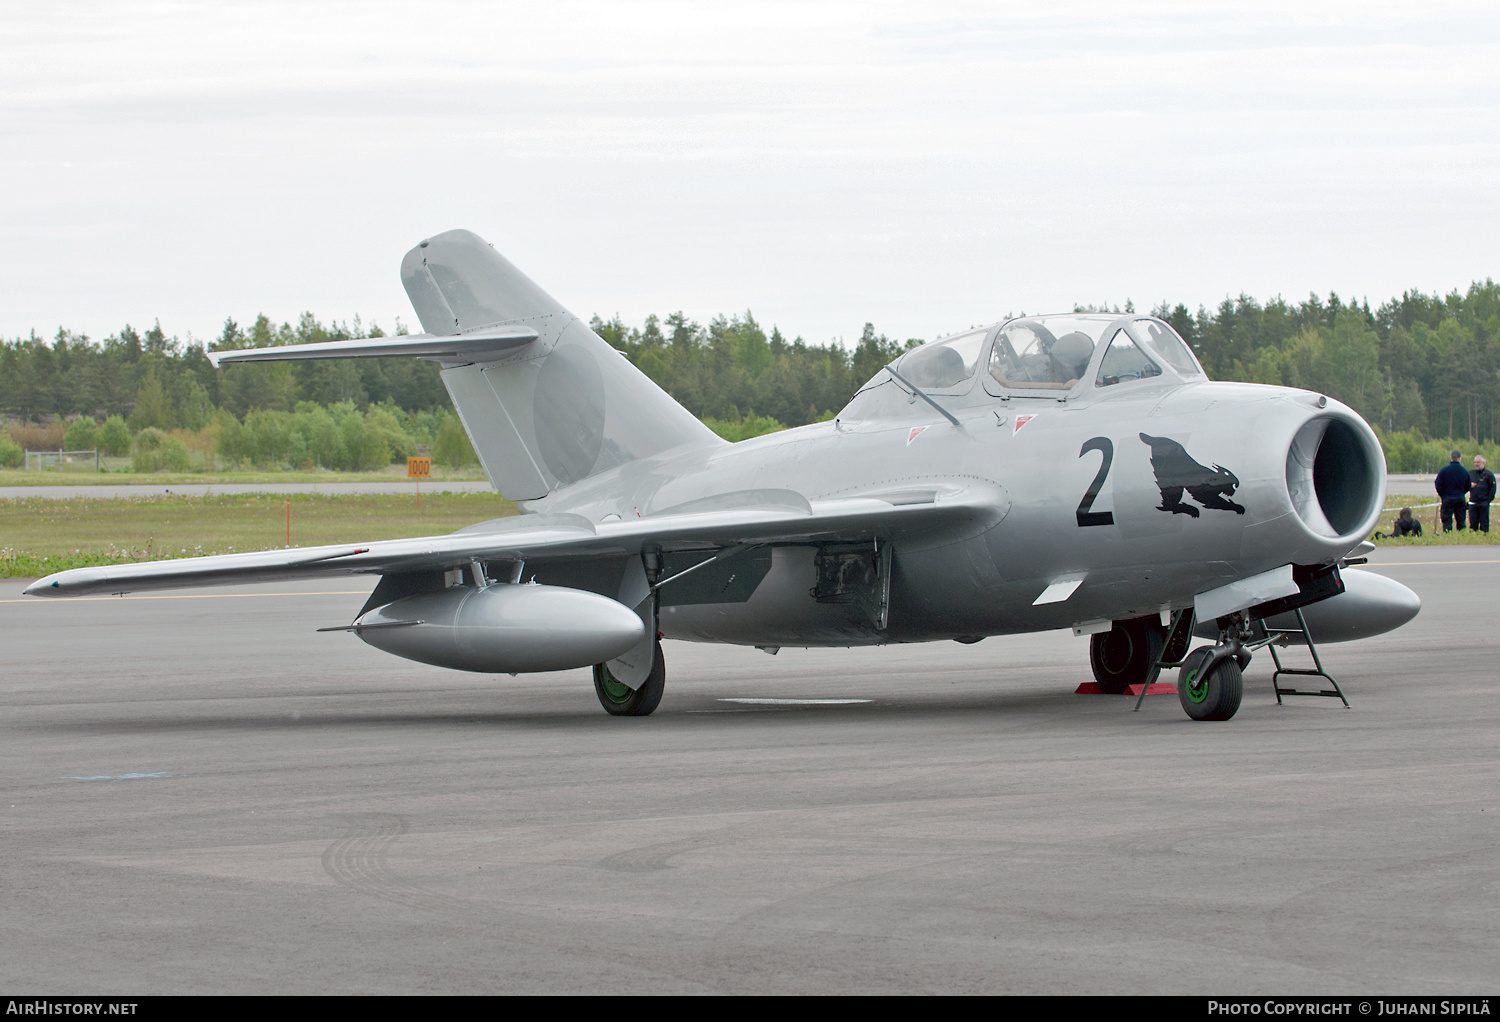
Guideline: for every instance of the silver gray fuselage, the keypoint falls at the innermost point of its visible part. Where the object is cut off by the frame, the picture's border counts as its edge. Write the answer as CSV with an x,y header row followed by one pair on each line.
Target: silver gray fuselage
x,y
984,579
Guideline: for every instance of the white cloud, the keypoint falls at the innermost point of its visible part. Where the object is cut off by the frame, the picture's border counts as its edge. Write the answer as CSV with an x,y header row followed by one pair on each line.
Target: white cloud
x,y
925,166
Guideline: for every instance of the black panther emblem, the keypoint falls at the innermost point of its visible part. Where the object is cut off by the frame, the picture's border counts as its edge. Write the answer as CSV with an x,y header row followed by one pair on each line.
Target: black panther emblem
x,y
1177,471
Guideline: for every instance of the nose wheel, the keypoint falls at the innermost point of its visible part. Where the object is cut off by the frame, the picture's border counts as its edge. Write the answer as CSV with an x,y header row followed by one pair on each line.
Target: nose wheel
x,y
1210,679
619,700
1210,687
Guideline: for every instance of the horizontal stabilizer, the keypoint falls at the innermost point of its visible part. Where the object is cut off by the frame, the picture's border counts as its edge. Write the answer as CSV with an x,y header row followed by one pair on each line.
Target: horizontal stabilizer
x,y
484,345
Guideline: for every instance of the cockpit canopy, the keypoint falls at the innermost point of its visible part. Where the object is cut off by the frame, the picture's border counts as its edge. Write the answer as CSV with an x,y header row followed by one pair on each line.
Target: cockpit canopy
x,y
944,364
1058,352
1052,353
1051,356
1045,352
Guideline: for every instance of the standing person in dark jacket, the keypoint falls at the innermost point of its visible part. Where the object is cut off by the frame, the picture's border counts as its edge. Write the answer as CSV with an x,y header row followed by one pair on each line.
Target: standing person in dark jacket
x,y
1481,492
1451,485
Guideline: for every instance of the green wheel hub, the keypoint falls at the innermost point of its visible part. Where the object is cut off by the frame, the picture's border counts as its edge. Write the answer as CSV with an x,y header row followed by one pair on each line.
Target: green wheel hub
x,y
1197,686
1210,687
620,700
614,691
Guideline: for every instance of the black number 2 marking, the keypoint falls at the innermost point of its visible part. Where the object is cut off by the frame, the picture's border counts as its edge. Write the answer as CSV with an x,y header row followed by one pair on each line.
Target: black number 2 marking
x,y
1085,516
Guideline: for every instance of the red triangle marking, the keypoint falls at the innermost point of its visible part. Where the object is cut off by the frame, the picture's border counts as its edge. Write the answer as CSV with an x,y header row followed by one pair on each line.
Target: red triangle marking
x,y
1022,420
915,432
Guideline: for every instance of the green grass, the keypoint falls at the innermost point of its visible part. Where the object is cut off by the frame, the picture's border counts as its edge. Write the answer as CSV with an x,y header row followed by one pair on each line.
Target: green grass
x,y
39,536
52,477
1438,537
1432,528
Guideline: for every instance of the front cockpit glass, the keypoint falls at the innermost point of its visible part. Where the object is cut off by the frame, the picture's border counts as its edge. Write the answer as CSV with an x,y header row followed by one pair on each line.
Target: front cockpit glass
x,y
1124,360
1164,343
943,365
1045,352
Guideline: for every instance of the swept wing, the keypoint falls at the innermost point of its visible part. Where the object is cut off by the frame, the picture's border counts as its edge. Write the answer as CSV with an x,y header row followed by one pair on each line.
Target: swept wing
x,y
791,519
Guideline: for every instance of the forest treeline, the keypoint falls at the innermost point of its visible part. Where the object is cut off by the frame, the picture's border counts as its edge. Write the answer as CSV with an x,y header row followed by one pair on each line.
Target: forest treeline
x,y
1424,362
159,401
1421,368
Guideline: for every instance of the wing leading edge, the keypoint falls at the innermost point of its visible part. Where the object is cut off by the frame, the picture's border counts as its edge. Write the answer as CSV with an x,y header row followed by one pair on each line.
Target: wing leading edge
x,y
969,510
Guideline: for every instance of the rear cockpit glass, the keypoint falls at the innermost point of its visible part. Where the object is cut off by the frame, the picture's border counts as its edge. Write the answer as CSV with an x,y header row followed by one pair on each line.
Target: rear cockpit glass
x,y
1045,353
1124,360
1164,343
943,365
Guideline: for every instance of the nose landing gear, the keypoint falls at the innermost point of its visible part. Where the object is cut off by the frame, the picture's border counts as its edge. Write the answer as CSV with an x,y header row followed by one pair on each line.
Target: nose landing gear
x,y
1210,679
1211,682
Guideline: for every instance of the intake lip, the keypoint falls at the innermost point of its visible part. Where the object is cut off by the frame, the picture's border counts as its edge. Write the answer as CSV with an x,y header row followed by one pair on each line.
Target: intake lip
x,y
1335,475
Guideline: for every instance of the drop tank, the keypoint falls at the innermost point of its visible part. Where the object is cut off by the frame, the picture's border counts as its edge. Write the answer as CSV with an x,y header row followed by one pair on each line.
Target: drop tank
x,y
513,629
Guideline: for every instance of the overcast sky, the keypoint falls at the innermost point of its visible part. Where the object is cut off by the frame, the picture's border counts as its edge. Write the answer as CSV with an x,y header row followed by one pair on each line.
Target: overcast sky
x,y
925,166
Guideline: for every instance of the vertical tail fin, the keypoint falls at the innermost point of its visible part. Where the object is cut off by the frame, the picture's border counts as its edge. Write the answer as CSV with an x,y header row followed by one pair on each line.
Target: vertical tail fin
x,y
561,408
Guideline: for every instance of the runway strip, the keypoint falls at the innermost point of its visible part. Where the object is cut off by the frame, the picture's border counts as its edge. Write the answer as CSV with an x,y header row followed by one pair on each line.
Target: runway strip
x,y
1397,566
207,796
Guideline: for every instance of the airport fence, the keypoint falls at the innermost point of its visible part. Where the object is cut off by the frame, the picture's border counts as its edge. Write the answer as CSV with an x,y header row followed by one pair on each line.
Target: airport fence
x,y
61,460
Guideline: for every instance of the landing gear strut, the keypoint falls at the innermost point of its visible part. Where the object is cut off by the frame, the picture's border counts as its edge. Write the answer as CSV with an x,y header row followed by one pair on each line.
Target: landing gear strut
x,y
1211,681
1126,654
617,698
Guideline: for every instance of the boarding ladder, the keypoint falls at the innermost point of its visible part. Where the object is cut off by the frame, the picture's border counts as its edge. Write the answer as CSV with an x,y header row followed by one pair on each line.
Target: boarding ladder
x,y
1305,637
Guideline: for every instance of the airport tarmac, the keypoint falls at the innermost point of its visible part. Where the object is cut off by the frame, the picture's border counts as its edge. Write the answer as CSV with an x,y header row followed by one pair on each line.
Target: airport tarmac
x,y
1410,486
201,794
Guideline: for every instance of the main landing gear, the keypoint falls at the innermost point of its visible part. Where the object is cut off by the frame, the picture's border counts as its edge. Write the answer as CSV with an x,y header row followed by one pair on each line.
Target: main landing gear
x,y
617,698
1126,654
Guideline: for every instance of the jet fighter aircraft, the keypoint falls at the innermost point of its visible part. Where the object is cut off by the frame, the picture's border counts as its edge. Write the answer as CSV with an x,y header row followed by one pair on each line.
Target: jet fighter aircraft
x,y
1070,471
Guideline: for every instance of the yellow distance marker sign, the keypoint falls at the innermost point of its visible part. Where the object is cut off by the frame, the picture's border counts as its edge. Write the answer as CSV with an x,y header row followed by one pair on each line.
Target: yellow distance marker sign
x,y
418,468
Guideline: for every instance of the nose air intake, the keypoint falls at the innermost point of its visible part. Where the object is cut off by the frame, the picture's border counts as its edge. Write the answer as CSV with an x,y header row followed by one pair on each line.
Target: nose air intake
x,y
1335,473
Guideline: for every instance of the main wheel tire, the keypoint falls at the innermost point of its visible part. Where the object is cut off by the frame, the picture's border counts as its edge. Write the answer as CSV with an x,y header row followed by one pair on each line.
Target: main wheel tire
x,y
1124,655
1214,697
617,698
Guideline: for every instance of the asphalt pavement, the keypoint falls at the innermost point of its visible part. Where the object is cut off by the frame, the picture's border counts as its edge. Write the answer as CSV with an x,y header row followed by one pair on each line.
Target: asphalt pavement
x,y
202,794
1410,486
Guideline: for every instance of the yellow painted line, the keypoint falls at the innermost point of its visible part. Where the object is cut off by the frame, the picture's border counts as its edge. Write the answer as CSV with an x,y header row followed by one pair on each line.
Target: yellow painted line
x,y
184,596
1403,564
